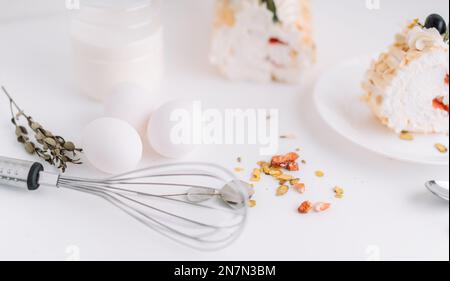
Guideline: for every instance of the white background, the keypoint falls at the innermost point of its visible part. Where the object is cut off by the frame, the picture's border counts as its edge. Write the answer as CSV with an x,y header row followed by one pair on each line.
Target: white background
x,y
386,212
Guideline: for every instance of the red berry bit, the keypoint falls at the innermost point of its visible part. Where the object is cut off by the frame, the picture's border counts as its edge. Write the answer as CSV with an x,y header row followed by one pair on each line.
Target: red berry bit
x,y
276,41
438,103
287,161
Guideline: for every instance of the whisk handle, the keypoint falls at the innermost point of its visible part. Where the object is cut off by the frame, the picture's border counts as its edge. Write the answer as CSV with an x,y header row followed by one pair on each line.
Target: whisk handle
x,y
20,173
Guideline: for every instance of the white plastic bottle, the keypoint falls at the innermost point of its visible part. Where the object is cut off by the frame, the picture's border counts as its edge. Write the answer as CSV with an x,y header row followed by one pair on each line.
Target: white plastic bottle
x,y
117,41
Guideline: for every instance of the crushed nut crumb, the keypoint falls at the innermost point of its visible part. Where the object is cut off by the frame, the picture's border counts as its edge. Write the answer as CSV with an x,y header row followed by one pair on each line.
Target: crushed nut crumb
x,y
252,203
406,136
238,169
320,174
282,190
441,148
339,192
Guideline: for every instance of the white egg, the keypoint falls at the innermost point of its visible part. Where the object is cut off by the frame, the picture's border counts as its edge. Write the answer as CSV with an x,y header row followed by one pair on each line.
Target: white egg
x,y
131,103
112,145
169,130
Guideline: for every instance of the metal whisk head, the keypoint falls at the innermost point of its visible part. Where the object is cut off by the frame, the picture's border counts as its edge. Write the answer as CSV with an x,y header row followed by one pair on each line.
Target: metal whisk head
x,y
198,205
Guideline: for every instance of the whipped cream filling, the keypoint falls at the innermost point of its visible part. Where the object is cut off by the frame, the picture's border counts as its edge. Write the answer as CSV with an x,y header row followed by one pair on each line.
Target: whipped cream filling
x,y
288,11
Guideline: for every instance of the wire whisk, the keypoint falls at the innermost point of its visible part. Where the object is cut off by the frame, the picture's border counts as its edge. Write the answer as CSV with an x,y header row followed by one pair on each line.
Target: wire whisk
x,y
199,205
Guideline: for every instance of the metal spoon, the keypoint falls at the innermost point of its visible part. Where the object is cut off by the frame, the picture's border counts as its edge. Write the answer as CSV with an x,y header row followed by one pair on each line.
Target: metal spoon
x,y
438,188
228,193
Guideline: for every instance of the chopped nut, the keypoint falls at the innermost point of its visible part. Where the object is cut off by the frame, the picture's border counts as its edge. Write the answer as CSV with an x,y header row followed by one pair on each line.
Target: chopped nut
x,y
282,190
284,177
294,181
275,173
300,187
252,203
339,192
322,206
262,163
441,148
404,135
320,174
256,175
305,207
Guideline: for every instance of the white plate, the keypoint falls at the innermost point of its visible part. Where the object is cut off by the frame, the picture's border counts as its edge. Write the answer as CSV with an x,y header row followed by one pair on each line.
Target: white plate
x,y
338,98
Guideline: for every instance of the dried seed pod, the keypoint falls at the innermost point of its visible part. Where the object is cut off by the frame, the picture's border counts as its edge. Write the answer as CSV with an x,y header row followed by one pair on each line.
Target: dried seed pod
x,y
50,142
34,126
21,139
29,147
50,148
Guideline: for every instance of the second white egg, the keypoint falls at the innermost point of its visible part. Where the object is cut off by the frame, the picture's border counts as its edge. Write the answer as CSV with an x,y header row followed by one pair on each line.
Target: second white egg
x,y
169,130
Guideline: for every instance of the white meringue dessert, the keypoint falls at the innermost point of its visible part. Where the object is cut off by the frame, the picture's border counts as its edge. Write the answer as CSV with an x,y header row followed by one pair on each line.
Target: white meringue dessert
x,y
407,87
263,40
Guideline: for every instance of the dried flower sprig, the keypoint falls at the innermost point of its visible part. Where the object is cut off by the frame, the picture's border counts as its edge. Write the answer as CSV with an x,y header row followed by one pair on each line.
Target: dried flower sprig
x,y
53,149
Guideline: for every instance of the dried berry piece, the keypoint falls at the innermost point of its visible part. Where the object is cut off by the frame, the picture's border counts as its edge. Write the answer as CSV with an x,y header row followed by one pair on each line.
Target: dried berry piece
x,y
305,207
438,103
300,187
287,161
322,206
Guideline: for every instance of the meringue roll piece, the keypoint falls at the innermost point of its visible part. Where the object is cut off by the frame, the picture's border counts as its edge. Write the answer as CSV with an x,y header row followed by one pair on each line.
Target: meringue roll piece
x,y
263,40
407,87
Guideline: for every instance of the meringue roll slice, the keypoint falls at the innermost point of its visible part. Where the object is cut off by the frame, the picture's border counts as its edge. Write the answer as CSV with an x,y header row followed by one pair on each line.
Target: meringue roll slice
x,y
407,87
263,40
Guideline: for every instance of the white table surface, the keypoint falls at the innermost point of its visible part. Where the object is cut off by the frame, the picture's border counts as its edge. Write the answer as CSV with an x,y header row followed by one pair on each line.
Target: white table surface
x,y
386,212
